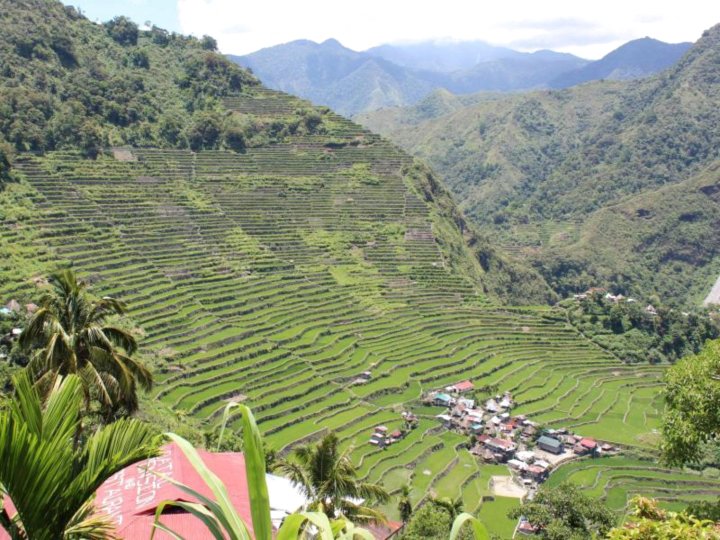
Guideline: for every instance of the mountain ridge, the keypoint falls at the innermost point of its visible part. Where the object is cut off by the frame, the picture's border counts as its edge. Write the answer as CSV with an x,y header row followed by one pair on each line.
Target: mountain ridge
x,y
399,75
534,169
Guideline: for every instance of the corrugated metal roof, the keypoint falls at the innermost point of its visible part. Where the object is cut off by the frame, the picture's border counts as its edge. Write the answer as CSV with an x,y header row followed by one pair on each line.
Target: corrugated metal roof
x,y
132,495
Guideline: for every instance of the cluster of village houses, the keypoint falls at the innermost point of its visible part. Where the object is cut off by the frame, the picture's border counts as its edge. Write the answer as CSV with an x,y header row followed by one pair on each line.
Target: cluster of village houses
x,y
615,298
500,437
382,437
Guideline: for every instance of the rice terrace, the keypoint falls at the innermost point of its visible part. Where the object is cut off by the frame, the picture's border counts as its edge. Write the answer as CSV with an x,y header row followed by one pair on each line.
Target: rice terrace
x,y
203,271
253,280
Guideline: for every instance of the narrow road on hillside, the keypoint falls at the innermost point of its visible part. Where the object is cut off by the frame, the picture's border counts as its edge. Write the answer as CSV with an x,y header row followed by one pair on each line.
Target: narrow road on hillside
x,y
714,296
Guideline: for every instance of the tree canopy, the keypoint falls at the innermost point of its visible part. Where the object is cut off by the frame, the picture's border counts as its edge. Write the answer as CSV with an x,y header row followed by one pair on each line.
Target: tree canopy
x,y
566,513
692,396
329,479
70,333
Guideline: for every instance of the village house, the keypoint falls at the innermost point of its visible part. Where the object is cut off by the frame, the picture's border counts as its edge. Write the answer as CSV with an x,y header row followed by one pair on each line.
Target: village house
x,y
536,473
550,444
461,387
443,400
586,446
502,448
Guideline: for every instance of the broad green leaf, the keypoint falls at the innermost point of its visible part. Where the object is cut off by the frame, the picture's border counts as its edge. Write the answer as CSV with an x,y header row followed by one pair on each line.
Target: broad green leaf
x,y
255,471
226,512
478,529
197,510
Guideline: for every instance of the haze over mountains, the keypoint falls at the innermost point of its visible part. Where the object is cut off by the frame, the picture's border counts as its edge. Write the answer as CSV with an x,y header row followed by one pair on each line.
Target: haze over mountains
x,y
610,183
351,82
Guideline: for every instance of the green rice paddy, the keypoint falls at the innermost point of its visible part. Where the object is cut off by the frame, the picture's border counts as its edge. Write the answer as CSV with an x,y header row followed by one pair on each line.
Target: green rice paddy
x,y
270,277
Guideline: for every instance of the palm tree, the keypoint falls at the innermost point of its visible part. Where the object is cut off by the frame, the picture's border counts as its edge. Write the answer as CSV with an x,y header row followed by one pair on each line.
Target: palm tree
x,y
50,474
69,334
405,504
454,507
328,479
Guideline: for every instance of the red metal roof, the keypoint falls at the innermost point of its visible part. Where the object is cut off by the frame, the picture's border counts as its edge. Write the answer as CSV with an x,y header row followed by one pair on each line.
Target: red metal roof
x,y
131,496
463,386
588,443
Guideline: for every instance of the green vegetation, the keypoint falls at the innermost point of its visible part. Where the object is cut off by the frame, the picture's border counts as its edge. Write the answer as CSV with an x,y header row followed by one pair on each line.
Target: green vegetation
x,y
69,334
328,479
67,84
565,512
274,267
606,184
631,333
693,405
616,480
652,523
50,467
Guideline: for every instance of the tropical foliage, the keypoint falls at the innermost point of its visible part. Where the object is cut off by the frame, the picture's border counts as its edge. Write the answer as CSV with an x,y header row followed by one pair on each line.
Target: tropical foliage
x,y
649,522
70,334
634,335
566,513
50,467
692,415
328,478
67,83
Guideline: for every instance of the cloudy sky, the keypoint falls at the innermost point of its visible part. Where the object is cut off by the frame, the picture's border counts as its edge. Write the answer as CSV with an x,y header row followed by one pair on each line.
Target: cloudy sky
x,y
588,29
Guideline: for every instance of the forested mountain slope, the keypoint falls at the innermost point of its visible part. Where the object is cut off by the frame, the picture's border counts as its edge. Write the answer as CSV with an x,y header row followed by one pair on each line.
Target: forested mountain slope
x,y
558,175
634,60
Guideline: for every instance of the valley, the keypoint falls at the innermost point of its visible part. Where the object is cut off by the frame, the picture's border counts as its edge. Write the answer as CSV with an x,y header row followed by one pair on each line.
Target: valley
x,y
607,184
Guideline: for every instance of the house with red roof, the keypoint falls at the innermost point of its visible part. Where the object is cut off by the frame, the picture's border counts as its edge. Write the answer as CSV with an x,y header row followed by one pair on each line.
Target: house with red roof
x,y
463,386
131,496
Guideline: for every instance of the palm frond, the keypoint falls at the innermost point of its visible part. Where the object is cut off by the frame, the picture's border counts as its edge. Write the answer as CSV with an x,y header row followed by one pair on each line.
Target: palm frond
x,y
121,338
86,524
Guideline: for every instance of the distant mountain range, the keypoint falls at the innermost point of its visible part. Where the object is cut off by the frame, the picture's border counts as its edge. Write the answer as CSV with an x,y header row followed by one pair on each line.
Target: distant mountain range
x,y
634,60
352,82
611,183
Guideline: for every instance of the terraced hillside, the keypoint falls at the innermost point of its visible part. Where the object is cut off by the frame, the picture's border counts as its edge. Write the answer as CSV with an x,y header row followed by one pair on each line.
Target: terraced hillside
x,y
617,480
276,276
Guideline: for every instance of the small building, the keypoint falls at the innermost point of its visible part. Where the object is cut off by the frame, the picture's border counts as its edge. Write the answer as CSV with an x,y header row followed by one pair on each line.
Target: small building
x,y
526,528
501,446
476,428
492,406
517,464
467,403
377,439
586,446
550,444
536,473
443,400
5,312
525,455
463,386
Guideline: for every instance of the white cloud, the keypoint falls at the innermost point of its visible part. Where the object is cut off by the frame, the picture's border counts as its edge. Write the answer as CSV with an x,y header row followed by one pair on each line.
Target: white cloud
x,y
584,28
